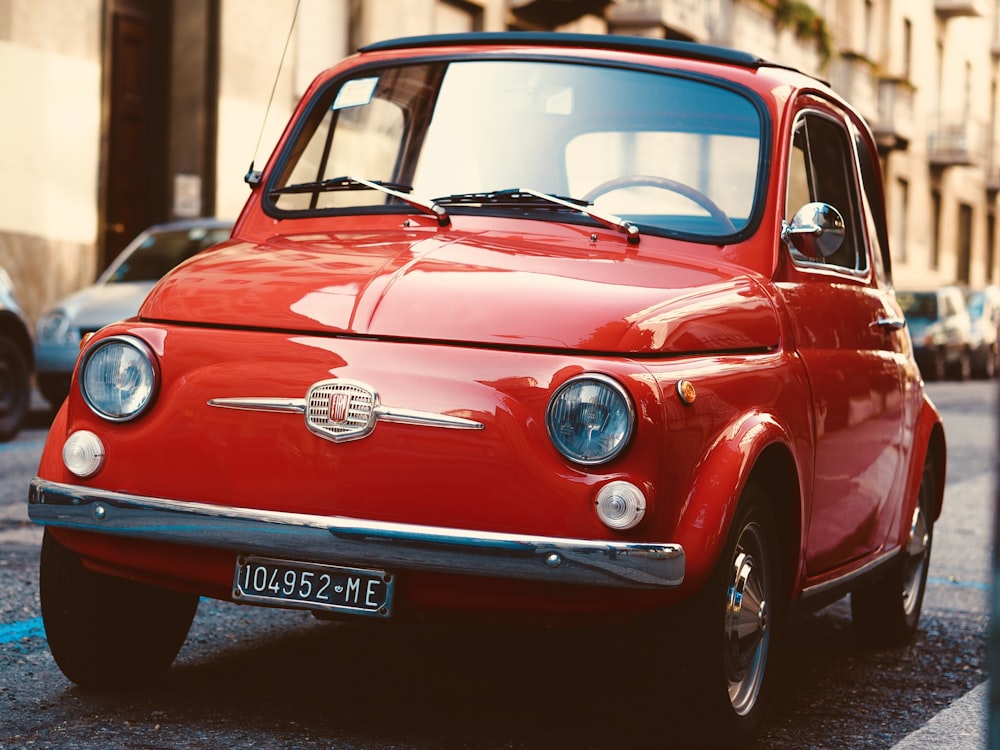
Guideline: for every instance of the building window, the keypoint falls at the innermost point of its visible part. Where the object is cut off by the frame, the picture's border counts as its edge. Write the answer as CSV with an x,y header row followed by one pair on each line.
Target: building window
x,y
907,48
901,209
869,29
964,243
991,249
935,230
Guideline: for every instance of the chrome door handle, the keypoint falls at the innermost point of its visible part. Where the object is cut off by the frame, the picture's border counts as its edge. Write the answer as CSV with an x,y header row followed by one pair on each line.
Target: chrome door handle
x,y
890,324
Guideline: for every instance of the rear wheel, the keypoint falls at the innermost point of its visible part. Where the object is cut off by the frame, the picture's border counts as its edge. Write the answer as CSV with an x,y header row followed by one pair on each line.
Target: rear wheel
x,y
887,612
733,627
106,632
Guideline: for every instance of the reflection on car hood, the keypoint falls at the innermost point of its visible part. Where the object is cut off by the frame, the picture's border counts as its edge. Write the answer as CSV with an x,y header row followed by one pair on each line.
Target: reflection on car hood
x,y
496,290
99,304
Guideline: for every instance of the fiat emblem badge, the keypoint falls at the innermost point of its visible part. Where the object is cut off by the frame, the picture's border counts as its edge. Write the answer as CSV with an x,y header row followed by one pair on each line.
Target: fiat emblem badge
x,y
338,407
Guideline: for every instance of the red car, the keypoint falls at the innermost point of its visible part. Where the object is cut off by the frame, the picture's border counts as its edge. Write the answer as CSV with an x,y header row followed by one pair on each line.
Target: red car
x,y
521,324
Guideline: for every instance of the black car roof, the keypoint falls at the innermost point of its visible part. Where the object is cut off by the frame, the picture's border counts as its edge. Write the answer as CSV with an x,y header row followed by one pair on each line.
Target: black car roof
x,y
676,48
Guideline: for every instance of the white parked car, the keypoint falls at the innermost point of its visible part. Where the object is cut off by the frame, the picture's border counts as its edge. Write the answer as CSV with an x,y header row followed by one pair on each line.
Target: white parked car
x,y
16,361
116,295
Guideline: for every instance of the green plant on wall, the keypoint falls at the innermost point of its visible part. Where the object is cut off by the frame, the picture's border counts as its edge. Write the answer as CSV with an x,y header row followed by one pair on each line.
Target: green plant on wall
x,y
805,23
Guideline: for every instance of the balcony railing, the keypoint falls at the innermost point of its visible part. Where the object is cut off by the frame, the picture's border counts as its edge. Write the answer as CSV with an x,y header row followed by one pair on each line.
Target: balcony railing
x,y
946,9
993,178
686,18
636,13
853,76
956,140
893,128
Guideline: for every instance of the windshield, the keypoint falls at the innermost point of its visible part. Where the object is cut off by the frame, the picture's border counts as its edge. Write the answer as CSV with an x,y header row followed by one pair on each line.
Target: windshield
x,y
919,305
666,152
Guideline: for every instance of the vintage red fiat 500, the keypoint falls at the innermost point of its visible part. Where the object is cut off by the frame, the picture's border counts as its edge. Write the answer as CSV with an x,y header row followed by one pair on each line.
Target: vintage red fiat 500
x,y
520,323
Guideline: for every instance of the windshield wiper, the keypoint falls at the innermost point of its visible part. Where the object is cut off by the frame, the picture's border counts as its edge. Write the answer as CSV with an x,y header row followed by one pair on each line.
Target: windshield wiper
x,y
521,196
347,182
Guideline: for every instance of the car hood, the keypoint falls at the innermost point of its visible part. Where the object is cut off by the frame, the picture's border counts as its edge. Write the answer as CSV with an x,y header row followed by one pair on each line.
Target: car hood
x,y
490,289
97,305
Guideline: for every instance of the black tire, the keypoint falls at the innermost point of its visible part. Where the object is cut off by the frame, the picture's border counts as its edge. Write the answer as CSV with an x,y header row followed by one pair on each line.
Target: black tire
x,y
108,633
983,363
886,612
933,366
962,369
15,388
733,627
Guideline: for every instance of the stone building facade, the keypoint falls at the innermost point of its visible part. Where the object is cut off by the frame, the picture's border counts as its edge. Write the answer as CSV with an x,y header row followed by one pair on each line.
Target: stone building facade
x,y
121,113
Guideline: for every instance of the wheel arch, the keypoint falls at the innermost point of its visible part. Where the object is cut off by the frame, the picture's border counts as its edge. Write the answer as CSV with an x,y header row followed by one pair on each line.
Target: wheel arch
x,y
756,448
937,455
775,472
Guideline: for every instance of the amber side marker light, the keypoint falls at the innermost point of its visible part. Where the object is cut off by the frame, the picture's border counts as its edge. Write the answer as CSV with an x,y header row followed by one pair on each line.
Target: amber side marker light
x,y
686,391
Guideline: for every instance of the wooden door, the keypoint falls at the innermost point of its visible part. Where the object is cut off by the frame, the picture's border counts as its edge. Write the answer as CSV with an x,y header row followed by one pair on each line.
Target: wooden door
x,y
135,154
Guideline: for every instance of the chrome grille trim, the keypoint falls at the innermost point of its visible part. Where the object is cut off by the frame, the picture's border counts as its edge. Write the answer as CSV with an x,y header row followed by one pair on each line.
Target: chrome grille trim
x,y
363,410
359,411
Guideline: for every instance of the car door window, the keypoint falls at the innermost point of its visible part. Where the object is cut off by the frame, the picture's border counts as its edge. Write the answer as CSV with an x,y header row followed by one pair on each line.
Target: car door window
x,y
821,169
873,206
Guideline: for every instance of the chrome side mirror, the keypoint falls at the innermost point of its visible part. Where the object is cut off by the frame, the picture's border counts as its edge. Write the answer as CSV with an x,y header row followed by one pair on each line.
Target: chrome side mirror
x,y
816,231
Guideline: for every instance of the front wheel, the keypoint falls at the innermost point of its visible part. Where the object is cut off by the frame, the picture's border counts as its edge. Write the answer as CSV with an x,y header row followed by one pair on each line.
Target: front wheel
x,y
733,626
887,612
15,388
108,633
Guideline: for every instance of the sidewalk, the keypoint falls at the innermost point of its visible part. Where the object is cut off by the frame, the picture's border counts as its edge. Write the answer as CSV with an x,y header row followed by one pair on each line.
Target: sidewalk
x,y
961,726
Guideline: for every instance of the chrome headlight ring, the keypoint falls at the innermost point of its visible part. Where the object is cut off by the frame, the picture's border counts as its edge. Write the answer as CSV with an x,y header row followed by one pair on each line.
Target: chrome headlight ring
x,y
118,378
590,419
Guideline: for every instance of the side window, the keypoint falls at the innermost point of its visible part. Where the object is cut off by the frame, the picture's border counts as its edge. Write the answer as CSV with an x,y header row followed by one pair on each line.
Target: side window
x,y
820,170
873,204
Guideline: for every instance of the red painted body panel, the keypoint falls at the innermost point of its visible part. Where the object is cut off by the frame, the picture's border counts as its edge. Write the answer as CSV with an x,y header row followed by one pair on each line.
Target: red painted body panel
x,y
516,287
483,319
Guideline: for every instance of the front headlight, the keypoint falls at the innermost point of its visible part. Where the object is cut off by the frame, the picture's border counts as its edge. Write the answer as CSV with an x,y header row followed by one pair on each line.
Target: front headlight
x,y
53,327
590,419
118,378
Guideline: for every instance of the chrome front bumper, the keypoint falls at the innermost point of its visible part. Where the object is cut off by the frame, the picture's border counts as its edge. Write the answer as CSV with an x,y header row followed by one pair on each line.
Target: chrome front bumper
x,y
350,541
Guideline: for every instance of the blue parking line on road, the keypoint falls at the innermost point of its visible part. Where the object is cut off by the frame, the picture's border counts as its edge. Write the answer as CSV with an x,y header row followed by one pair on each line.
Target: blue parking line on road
x,y
16,631
964,584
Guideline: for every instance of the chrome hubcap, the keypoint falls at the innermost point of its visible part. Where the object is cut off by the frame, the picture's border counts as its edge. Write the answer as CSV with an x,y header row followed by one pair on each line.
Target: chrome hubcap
x,y
917,549
747,622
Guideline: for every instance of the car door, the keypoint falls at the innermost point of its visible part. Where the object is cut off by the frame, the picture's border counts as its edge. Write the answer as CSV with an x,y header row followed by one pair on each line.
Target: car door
x,y
847,330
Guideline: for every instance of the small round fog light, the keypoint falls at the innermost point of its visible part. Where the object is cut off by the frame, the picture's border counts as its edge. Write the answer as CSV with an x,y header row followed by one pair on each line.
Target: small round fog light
x,y
83,453
620,505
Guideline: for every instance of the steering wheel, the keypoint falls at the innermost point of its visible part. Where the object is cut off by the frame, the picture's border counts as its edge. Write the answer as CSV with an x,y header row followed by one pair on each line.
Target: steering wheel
x,y
664,183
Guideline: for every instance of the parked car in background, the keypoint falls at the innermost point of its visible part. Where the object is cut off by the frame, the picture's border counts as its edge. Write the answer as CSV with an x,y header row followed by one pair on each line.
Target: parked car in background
x,y
16,362
115,295
941,331
984,312
517,325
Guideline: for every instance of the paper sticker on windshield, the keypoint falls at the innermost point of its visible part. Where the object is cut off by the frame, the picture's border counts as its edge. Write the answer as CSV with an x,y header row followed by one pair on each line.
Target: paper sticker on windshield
x,y
355,93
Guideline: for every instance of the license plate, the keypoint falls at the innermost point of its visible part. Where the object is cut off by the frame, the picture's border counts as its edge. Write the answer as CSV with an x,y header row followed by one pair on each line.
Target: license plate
x,y
287,583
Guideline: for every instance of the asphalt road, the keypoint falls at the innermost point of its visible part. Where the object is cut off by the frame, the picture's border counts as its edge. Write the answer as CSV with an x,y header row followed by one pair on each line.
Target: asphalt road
x,y
254,678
